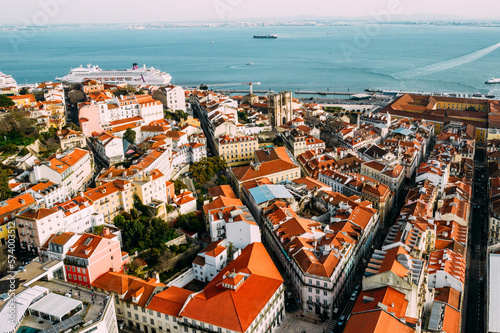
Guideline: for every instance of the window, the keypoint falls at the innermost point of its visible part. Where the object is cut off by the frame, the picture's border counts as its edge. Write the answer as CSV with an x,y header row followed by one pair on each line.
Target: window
x,y
152,321
158,315
144,319
129,314
136,316
143,310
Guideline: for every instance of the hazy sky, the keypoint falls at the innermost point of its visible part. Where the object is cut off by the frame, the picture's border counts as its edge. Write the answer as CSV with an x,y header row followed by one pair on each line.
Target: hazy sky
x,y
40,12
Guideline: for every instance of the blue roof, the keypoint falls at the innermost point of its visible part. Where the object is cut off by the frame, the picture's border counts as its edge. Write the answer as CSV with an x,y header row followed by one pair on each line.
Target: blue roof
x,y
265,193
403,131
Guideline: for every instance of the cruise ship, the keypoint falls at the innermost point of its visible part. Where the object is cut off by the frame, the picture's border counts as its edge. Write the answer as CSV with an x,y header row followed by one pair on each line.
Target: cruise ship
x,y
135,76
493,81
6,81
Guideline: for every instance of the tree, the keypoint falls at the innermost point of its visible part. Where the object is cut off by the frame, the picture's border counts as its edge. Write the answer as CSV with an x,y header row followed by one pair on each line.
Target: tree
x,y
190,222
97,230
130,135
24,91
203,87
3,260
5,192
6,102
178,186
141,234
206,168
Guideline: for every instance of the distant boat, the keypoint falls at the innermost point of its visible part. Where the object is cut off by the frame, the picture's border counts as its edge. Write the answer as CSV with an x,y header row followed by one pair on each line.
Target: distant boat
x,y
490,96
266,36
493,80
250,63
212,42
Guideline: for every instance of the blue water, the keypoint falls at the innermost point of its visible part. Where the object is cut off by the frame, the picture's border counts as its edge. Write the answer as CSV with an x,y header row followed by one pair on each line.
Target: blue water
x,y
306,58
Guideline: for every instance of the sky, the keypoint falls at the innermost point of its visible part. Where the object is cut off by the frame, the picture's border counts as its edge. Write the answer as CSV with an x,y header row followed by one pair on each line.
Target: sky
x,y
46,12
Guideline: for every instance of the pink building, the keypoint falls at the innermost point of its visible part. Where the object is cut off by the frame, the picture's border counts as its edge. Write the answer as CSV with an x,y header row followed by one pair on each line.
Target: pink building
x,y
90,119
91,256
170,191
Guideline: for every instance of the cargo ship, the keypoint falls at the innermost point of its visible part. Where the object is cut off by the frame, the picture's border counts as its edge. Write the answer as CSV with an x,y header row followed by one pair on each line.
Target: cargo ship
x,y
266,36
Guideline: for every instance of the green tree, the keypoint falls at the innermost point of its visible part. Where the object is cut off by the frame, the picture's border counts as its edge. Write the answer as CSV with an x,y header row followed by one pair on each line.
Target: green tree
x,y
181,115
179,185
206,168
6,102
97,230
190,222
130,135
24,91
5,192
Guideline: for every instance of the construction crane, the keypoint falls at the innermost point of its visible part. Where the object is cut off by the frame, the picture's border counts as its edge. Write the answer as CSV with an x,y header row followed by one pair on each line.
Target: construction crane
x,y
251,84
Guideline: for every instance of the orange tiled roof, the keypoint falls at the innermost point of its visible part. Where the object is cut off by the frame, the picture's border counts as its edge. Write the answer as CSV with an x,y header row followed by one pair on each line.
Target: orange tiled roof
x,y
127,286
14,205
232,309
378,321
222,190
245,173
86,245
59,238
394,300
37,214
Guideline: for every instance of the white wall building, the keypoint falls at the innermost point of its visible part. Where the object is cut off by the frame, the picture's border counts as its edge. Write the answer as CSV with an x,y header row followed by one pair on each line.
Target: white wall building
x,y
72,169
175,97
210,261
109,148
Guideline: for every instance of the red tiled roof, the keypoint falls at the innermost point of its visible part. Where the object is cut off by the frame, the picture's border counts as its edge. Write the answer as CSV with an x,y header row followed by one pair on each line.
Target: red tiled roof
x,y
377,321
128,286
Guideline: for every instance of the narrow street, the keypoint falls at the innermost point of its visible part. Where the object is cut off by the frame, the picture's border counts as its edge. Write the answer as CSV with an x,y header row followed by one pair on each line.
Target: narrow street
x,y
475,279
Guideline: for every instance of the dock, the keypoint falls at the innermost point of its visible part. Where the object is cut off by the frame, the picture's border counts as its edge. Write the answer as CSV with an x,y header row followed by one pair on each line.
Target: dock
x,y
306,92
238,91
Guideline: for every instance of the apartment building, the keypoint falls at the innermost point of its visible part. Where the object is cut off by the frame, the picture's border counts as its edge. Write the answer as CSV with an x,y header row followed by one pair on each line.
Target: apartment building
x,y
237,150
37,224
91,256
391,176
111,198
71,169
70,139
109,148
9,209
47,194
320,260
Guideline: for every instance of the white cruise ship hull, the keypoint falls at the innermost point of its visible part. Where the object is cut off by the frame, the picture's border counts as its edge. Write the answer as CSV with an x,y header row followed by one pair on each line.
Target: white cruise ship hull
x,y
135,76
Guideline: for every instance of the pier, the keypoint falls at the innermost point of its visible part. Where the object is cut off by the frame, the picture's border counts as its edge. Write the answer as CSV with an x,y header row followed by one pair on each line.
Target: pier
x,y
306,92
239,91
